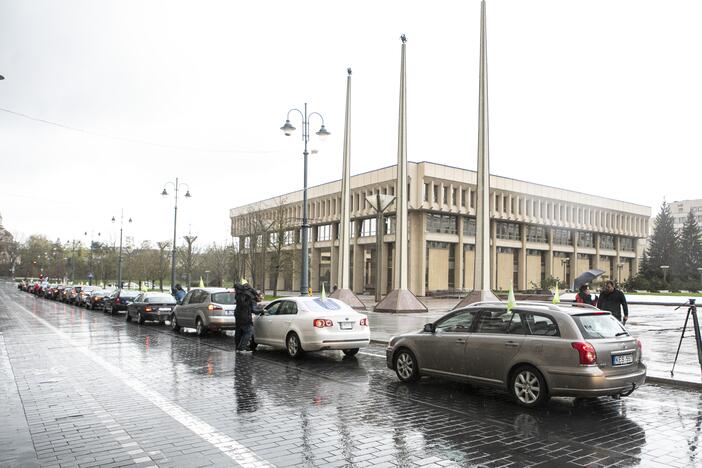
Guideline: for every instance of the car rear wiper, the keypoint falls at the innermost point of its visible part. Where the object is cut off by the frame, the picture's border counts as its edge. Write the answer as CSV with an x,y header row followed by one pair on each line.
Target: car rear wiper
x,y
621,333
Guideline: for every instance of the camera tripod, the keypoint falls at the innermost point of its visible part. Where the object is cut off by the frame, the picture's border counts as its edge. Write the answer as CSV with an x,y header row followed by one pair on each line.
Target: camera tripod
x,y
691,310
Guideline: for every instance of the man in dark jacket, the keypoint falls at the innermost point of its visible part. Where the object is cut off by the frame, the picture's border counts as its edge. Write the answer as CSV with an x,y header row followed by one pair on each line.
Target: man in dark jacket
x,y
613,300
246,298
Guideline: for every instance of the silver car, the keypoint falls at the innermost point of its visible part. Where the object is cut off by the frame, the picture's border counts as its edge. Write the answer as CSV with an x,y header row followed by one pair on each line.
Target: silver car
x,y
535,351
205,309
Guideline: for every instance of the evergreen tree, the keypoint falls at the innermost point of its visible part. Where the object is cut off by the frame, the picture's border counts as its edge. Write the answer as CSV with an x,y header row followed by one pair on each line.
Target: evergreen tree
x,y
663,246
690,249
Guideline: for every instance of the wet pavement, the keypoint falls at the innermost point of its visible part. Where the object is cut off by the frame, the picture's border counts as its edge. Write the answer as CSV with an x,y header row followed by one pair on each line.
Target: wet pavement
x,y
81,388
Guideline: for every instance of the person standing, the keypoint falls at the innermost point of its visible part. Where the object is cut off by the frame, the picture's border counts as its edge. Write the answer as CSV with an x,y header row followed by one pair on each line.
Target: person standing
x,y
614,301
246,298
585,297
179,293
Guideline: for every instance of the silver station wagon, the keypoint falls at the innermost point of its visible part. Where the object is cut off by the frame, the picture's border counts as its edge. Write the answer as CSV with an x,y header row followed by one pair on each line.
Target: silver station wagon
x,y
536,351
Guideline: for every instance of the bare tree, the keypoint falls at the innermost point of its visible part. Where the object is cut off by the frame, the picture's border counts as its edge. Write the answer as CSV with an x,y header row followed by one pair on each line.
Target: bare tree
x,y
279,230
163,261
188,258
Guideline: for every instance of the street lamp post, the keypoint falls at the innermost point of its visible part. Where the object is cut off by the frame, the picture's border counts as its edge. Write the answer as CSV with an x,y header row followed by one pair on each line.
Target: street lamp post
x,y
176,185
119,259
287,128
665,269
91,274
73,260
207,278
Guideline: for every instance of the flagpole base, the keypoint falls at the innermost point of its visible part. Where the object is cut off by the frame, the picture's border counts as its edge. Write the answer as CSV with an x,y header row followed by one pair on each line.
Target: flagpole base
x,y
476,295
400,300
347,296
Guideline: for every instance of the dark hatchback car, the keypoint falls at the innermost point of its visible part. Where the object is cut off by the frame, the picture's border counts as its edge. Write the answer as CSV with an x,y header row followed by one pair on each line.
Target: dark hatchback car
x,y
119,300
151,306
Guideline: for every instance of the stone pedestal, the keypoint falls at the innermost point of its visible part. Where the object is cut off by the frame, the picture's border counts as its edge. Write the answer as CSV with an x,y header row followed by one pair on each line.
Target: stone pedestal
x,y
400,300
347,296
477,296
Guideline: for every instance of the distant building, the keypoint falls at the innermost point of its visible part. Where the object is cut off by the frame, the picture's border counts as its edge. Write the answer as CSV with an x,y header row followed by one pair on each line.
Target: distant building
x,y
680,210
536,231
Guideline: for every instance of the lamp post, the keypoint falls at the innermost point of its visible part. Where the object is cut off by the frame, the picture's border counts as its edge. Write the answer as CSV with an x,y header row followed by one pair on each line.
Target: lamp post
x,y
119,259
565,262
207,278
287,128
73,259
665,272
176,185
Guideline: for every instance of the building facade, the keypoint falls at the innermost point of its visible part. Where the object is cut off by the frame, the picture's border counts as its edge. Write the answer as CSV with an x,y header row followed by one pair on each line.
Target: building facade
x,y
536,231
680,210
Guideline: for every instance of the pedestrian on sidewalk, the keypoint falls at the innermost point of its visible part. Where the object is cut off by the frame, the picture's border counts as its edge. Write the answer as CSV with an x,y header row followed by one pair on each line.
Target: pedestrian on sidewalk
x,y
613,300
585,297
246,298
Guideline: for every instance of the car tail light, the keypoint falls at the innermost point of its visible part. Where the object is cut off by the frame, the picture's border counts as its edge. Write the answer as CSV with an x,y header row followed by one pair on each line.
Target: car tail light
x,y
322,323
214,307
364,322
588,356
148,309
640,346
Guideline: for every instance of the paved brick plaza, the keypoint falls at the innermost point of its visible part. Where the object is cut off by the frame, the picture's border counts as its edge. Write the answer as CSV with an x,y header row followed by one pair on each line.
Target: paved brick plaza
x,y
81,388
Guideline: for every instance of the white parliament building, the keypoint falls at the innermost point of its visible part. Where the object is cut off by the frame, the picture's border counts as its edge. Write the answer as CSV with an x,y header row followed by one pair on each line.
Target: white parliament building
x,y
536,231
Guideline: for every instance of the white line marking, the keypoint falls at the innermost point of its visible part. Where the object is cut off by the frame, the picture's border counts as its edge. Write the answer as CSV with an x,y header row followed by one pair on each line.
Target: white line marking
x,y
230,447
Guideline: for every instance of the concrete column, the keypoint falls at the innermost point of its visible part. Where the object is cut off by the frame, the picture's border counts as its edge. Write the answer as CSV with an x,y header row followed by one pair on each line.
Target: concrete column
x,y
522,272
574,260
418,253
314,268
549,253
493,254
334,274
617,258
596,263
296,270
635,260
459,255
358,261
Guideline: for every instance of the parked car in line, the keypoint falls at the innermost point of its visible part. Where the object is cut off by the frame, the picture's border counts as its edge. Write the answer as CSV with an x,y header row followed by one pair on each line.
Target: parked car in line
x,y
73,293
300,324
84,295
156,306
96,301
535,351
119,300
205,309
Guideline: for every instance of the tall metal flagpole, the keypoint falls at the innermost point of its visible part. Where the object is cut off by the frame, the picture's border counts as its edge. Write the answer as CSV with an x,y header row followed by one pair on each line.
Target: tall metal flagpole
x,y
344,293
481,278
401,299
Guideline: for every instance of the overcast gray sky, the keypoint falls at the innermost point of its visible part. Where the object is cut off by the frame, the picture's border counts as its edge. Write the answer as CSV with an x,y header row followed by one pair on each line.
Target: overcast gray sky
x,y
602,97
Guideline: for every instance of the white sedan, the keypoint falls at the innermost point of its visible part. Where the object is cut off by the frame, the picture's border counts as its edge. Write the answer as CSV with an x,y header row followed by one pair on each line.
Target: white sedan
x,y
300,324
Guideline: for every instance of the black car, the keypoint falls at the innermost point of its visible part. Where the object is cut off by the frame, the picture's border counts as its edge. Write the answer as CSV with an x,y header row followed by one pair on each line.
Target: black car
x,y
119,300
151,306
96,301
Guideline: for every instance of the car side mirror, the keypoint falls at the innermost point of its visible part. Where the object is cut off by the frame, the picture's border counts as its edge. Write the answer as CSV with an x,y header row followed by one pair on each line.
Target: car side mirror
x,y
429,328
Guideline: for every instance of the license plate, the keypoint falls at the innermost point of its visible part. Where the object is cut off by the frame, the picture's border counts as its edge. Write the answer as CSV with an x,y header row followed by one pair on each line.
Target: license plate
x,y
346,325
164,309
622,359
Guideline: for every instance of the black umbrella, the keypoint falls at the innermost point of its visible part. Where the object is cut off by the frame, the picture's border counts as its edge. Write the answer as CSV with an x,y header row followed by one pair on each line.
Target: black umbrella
x,y
586,277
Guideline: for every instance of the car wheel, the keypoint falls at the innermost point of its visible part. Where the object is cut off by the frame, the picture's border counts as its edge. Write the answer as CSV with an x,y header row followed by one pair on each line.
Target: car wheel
x,y
350,352
140,318
174,324
292,344
406,366
200,329
528,386
128,317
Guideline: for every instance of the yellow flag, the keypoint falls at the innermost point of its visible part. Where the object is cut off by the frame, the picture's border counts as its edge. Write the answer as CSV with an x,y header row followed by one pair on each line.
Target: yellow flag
x,y
511,301
556,295
202,283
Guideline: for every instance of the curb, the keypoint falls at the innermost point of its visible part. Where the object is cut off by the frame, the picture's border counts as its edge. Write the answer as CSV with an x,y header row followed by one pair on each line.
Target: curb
x,y
649,378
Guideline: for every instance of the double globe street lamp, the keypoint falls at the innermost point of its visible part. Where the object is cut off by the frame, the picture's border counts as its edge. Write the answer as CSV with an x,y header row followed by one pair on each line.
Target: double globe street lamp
x,y
287,128
176,185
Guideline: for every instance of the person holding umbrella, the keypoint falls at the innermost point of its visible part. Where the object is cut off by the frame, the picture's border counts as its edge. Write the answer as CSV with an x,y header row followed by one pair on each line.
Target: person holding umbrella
x,y
584,296
614,301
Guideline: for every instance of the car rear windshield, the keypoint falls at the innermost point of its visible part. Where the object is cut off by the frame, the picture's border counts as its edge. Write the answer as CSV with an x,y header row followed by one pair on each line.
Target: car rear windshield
x,y
224,298
599,326
128,295
165,299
